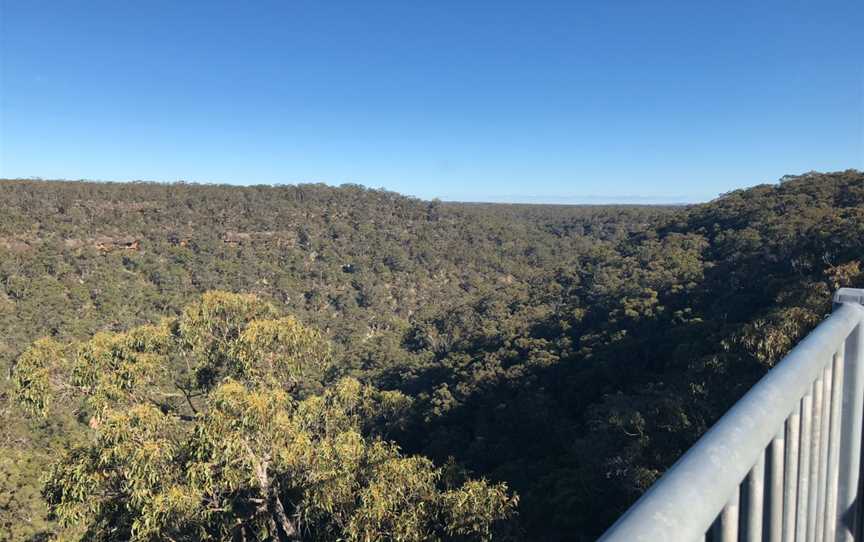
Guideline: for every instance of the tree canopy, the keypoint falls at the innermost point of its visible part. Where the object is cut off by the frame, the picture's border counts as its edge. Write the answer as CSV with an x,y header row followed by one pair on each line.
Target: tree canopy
x,y
214,425
571,352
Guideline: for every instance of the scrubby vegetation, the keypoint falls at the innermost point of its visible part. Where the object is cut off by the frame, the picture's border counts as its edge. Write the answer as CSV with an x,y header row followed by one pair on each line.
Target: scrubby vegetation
x,y
571,353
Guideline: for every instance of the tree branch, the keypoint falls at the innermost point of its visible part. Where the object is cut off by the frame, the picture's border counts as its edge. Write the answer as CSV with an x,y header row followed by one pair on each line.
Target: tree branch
x,y
286,524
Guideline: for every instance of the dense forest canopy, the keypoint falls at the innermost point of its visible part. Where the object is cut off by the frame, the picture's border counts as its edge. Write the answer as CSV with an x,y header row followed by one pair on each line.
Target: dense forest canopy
x,y
549,362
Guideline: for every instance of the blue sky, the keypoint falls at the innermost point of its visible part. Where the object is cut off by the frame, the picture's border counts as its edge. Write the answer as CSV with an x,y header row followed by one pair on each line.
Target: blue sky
x,y
518,101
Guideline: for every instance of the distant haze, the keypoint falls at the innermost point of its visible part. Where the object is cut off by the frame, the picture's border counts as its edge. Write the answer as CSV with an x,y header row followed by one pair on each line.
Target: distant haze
x,y
581,200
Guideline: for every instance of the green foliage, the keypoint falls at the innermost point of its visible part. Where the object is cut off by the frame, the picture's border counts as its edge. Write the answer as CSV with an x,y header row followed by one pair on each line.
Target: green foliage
x,y
23,511
38,370
280,351
248,453
571,352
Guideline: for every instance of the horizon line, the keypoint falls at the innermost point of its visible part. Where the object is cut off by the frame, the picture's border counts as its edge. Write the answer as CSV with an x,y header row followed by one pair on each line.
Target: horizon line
x,y
587,199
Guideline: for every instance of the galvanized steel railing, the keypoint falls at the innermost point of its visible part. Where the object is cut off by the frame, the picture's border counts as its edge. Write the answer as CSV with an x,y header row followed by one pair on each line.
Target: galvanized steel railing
x,y
784,463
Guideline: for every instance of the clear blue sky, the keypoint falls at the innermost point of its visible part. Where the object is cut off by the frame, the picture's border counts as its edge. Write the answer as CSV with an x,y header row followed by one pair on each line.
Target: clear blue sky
x,y
472,100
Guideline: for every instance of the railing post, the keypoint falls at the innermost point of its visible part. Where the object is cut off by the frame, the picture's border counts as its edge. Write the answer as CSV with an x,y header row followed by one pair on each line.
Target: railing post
x,y
685,501
850,440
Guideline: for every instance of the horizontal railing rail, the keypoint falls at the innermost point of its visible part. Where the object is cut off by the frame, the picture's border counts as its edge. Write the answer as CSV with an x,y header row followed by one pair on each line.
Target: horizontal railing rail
x,y
783,463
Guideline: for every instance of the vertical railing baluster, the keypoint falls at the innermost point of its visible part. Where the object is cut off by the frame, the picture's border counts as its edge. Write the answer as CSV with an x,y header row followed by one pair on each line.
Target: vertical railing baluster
x,y
729,519
775,487
804,465
790,490
755,500
815,441
850,444
822,467
834,447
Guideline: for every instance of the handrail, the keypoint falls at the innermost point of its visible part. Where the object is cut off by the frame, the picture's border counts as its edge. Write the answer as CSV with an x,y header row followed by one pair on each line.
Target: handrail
x,y
807,488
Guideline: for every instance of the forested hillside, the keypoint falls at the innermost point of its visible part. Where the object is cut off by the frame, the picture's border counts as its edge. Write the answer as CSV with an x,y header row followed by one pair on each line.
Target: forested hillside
x,y
569,352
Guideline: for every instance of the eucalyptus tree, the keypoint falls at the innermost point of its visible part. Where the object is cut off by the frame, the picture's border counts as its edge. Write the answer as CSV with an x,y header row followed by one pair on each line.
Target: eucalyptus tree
x,y
217,424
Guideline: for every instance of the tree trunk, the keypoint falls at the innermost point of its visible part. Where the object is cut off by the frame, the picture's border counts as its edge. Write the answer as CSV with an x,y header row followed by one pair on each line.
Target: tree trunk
x,y
271,494
287,525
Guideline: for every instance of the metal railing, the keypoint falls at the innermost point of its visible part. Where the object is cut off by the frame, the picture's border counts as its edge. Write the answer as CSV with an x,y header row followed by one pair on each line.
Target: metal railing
x,y
783,463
